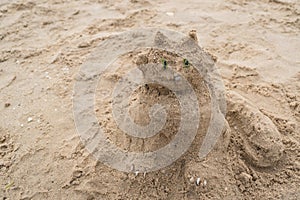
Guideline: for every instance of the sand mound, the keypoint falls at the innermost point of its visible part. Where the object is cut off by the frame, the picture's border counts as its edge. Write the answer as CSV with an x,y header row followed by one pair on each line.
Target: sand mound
x,y
146,96
255,45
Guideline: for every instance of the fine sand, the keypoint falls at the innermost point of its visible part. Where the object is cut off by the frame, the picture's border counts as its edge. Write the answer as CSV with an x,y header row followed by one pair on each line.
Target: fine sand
x,y
255,45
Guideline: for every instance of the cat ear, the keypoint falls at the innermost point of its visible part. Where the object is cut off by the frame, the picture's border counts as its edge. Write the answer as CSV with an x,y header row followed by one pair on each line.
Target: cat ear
x,y
162,41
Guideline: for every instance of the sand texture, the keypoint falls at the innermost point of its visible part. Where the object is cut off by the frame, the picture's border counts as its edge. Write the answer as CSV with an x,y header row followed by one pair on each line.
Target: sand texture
x,y
255,46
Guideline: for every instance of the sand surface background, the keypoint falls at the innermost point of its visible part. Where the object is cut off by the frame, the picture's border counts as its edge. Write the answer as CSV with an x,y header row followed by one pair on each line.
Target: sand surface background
x,y
44,43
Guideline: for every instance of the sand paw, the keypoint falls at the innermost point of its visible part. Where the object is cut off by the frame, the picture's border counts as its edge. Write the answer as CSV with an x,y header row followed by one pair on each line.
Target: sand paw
x,y
260,138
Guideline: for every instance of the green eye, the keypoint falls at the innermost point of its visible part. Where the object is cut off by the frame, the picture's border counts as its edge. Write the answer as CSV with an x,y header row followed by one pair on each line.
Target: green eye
x,y
186,63
164,62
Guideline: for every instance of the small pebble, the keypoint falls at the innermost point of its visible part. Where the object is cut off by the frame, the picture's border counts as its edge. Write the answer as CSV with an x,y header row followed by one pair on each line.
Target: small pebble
x,y
171,14
192,180
29,119
198,181
84,45
204,183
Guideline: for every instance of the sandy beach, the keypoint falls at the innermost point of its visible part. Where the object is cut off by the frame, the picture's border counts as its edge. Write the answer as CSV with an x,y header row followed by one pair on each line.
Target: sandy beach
x,y
255,46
